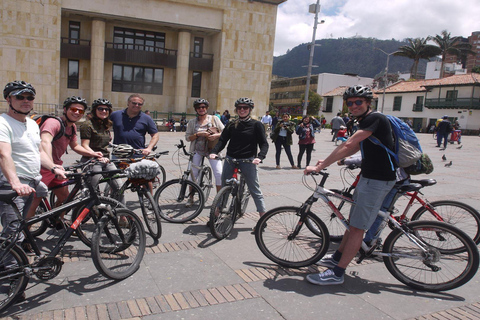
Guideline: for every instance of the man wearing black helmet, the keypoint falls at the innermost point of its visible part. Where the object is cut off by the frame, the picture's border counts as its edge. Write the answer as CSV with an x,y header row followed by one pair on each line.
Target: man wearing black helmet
x,y
376,180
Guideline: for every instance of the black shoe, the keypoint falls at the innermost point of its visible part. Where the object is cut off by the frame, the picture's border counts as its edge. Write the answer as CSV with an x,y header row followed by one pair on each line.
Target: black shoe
x,y
27,247
21,298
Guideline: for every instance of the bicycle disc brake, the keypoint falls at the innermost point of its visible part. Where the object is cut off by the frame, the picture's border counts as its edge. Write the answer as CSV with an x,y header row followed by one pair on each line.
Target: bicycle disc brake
x,y
48,268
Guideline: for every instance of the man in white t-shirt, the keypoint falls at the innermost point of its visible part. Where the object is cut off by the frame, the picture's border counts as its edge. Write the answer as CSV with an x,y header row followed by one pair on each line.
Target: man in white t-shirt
x,y
267,121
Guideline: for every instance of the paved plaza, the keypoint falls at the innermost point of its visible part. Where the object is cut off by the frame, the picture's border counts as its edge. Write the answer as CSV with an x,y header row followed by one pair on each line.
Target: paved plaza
x,y
187,274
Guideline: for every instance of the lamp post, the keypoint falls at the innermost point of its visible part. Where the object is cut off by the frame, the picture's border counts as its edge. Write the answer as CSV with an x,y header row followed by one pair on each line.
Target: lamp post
x,y
385,77
316,10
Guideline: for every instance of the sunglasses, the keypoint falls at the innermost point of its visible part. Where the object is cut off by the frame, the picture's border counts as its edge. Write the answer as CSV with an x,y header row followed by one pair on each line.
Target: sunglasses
x,y
137,104
75,109
29,98
103,109
243,107
357,102
201,107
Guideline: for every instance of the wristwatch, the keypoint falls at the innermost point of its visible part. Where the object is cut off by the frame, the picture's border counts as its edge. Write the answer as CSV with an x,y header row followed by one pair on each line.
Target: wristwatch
x,y
53,169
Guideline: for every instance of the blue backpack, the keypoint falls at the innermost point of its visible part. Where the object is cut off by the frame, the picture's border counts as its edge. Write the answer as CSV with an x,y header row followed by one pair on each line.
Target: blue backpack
x,y
407,150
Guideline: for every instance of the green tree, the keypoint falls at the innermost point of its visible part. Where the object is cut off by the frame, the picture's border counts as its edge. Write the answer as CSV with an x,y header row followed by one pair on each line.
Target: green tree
x,y
314,102
417,49
450,45
476,69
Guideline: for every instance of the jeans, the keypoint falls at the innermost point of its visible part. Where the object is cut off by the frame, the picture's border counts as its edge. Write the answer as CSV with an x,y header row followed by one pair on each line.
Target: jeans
x,y
250,174
303,148
282,141
441,136
215,164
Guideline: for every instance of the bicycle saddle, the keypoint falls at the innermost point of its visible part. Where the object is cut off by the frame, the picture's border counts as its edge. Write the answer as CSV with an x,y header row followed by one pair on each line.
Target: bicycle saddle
x,y
410,187
425,182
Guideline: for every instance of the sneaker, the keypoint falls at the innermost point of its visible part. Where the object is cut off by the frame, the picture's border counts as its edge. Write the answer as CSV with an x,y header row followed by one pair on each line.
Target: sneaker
x,y
326,278
327,261
189,203
27,247
294,167
277,167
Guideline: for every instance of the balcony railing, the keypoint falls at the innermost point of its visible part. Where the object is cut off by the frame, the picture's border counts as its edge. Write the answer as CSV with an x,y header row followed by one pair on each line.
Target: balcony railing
x,y
75,49
141,54
417,107
459,103
201,61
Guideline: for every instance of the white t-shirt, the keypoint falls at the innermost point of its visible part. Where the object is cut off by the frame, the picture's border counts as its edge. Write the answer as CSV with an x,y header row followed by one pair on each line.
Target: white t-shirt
x,y
24,137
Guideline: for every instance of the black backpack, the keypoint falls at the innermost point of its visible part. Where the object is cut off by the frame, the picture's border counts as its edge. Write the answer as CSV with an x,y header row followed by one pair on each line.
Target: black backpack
x,y
41,119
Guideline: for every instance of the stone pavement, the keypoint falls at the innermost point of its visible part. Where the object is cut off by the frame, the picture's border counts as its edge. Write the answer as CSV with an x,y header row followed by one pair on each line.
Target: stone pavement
x,y
187,274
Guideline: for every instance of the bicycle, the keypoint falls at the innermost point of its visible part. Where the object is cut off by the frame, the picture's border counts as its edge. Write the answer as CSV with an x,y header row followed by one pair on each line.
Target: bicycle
x,y
457,213
182,199
425,255
230,203
117,248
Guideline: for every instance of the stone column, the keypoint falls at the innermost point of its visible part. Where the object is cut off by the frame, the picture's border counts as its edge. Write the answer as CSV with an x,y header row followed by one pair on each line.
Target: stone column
x,y
97,60
181,76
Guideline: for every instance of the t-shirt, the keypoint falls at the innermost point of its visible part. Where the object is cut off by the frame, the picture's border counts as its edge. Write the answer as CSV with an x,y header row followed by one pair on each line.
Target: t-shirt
x,y
98,134
376,163
24,137
132,131
59,146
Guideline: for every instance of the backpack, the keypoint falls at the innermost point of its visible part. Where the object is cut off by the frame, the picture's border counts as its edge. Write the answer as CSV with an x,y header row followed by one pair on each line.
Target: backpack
x,y
423,165
41,119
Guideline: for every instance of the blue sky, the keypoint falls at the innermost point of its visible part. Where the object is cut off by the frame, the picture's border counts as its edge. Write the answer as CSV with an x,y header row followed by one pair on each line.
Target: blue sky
x,y
382,19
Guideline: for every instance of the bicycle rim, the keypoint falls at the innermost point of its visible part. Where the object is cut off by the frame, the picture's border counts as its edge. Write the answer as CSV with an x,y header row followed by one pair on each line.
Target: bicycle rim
x,y
440,269
206,183
118,245
177,209
150,212
40,227
160,178
222,213
274,237
13,280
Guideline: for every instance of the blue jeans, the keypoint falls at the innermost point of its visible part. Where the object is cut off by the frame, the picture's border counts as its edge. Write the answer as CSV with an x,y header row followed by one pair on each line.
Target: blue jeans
x,y
250,174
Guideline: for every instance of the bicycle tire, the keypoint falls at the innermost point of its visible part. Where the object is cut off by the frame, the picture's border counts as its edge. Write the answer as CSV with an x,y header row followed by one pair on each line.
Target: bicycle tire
x,y
175,209
222,219
118,245
450,271
13,281
206,182
273,236
160,178
37,229
456,213
86,229
150,212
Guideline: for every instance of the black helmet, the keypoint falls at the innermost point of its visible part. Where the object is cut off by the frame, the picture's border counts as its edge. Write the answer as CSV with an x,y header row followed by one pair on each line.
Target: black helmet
x,y
74,99
199,102
358,91
18,87
247,101
101,102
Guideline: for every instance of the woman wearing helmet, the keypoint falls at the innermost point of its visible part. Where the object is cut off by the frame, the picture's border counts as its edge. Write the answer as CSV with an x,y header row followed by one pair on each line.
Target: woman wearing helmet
x,y
199,132
95,135
246,135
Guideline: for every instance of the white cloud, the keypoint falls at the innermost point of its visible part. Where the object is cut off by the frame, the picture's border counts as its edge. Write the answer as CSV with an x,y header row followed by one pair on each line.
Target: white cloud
x,y
398,19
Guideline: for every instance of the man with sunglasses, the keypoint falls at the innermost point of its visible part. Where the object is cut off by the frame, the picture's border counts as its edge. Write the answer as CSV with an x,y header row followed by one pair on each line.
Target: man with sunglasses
x,y
131,125
376,180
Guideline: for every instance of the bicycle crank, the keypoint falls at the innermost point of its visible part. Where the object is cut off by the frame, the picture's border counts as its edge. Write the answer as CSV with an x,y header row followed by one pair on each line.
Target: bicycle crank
x,y
48,268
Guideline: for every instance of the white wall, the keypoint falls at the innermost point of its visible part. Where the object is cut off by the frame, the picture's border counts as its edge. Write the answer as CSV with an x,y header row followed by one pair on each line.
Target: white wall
x,y
330,81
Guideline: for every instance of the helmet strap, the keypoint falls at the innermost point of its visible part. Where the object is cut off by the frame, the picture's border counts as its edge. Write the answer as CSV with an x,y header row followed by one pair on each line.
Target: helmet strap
x,y
20,112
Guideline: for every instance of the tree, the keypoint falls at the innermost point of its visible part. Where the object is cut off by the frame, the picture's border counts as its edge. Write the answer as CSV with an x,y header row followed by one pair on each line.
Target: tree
x,y
314,102
417,49
476,69
450,45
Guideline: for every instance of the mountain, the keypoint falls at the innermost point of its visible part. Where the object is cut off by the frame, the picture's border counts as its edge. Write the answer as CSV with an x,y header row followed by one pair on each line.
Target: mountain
x,y
344,55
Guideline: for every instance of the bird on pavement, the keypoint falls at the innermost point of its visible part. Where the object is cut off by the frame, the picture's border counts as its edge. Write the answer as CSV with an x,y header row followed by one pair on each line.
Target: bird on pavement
x,y
460,146
448,164
444,158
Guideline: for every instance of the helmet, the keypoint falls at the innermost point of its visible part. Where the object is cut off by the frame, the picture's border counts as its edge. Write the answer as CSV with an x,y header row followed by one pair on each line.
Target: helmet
x,y
101,102
445,117
123,151
74,99
246,101
200,101
18,87
358,91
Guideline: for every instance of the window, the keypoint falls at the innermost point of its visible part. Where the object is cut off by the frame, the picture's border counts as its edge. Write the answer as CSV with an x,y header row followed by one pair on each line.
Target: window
x,y
198,47
138,40
397,103
452,95
329,104
74,32
137,79
196,84
72,74
418,106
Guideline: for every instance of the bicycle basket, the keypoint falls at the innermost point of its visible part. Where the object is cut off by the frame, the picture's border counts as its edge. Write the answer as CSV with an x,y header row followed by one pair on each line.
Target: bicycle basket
x,y
145,169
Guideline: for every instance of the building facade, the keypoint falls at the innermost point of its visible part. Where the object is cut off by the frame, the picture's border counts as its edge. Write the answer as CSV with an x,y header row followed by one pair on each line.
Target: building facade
x,y
170,52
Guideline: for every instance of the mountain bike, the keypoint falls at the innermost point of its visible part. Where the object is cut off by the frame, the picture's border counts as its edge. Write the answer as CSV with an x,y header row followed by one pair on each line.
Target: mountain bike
x,y
182,199
118,244
230,202
425,255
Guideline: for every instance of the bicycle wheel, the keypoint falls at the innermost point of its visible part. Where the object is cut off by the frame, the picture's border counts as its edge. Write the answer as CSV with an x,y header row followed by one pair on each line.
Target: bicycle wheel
x,y
150,211
86,229
179,205
333,223
160,178
440,268
13,281
118,245
223,213
40,227
274,237
206,182
455,213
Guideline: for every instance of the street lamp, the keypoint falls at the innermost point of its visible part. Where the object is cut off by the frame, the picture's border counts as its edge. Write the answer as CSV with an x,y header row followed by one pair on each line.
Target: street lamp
x,y
385,76
314,8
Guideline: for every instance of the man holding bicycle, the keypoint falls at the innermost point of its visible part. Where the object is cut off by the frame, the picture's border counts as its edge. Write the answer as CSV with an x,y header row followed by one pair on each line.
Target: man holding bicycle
x,y
377,179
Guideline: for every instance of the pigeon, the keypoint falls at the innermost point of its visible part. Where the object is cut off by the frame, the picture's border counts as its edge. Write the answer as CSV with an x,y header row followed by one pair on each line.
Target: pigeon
x,y
460,146
448,164
444,158
442,149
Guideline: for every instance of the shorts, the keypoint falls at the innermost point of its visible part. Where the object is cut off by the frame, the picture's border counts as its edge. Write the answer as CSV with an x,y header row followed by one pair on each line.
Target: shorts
x,y
368,196
49,179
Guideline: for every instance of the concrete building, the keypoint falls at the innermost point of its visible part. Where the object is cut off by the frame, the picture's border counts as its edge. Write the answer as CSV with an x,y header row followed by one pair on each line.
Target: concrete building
x,y
171,52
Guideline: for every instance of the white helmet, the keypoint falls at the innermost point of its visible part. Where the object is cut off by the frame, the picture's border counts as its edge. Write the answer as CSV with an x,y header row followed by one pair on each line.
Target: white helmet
x,y
123,151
